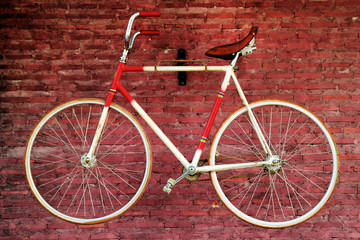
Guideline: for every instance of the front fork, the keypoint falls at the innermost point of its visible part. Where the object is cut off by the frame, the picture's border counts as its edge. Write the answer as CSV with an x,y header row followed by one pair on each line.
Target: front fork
x,y
105,112
98,132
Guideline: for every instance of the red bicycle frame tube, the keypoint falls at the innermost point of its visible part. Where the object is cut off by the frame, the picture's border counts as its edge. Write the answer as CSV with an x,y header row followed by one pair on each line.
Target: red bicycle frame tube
x,y
211,120
116,85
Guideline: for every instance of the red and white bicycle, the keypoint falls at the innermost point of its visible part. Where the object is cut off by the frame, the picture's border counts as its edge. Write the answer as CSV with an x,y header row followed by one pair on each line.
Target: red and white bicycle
x,y
273,163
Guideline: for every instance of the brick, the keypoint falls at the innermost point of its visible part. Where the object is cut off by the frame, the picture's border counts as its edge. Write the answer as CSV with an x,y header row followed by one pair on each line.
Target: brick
x,y
264,4
220,15
279,14
307,14
247,15
308,75
32,226
99,225
319,3
341,119
178,224
336,97
149,224
104,236
44,236
337,14
193,213
280,75
320,234
294,3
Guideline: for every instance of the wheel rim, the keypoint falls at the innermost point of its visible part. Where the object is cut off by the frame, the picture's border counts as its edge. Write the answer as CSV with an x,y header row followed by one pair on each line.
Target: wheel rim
x,y
266,196
94,189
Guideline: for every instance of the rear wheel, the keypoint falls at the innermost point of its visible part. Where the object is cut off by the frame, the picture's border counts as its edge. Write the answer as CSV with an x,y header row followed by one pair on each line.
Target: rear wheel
x,y
303,175
82,189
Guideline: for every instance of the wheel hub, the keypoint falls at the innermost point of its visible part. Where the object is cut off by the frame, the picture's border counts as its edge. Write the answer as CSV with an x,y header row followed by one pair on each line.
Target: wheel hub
x,y
275,165
88,161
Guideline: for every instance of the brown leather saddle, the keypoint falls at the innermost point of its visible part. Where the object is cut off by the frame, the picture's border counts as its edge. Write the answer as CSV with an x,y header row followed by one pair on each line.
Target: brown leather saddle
x,y
228,52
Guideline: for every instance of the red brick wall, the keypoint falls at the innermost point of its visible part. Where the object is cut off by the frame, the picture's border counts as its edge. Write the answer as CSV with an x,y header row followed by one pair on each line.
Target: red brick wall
x,y
53,51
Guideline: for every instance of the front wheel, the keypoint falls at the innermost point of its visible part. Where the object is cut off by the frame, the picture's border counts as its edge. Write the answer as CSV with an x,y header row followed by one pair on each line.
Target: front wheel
x,y
86,190
300,181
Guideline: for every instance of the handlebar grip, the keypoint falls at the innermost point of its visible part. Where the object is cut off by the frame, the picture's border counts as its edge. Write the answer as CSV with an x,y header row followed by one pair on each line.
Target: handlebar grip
x,y
150,14
149,32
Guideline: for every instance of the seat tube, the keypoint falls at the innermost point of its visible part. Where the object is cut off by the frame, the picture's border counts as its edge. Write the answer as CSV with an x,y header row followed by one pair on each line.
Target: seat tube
x,y
211,119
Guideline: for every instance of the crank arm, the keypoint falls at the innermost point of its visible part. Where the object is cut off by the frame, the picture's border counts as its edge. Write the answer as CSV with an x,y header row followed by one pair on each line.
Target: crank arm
x,y
171,182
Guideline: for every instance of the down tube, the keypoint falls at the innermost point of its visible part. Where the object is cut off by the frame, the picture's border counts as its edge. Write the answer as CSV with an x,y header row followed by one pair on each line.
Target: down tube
x,y
153,126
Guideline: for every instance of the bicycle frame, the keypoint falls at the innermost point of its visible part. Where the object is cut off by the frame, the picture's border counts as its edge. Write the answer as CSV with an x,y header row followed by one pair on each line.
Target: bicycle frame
x,y
229,74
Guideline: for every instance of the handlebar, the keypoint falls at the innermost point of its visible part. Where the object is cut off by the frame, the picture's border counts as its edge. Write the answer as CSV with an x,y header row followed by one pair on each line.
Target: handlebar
x,y
150,14
143,32
149,32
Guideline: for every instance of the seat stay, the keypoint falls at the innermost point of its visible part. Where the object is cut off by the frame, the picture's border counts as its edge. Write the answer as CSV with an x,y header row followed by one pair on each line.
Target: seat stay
x,y
252,117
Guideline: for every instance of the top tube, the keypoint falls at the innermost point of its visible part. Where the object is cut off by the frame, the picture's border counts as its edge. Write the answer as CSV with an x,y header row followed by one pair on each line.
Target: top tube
x,y
177,68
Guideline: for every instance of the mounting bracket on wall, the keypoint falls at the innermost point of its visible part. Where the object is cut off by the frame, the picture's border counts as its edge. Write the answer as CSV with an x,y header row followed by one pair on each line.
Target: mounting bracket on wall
x,y
182,76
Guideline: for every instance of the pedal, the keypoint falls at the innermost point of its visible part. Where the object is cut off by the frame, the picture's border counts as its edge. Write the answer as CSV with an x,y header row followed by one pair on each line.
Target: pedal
x,y
169,185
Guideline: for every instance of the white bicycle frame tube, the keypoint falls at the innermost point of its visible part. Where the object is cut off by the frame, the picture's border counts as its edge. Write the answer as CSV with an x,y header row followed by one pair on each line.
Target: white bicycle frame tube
x,y
98,132
251,116
229,74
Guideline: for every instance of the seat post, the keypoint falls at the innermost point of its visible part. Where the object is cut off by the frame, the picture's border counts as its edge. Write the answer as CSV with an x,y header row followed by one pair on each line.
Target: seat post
x,y
233,62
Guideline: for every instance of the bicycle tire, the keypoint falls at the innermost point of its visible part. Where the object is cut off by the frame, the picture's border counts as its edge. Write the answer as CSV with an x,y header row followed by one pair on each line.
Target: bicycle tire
x,y
98,190
283,194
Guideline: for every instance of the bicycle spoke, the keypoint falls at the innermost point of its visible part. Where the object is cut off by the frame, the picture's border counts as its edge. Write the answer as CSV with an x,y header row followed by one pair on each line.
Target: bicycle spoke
x,y
255,188
295,192
106,182
69,186
300,150
65,135
117,175
87,123
83,138
305,177
56,179
113,166
99,177
293,185
52,170
48,163
292,207
262,128
57,137
239,148
108,126
113,149
248,137
73,127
